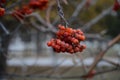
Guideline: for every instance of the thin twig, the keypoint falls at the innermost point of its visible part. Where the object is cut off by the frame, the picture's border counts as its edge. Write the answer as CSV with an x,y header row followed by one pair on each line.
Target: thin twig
x,y
82,62
41,20
88,25
16,29
101,54
4,29
50,71
61,13
39,27
111,62
48,12
14,4
78,8
54,77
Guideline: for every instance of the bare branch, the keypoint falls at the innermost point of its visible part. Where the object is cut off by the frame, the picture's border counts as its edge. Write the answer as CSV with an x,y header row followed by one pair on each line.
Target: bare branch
x,y
39,18
111,62
82,62
50,71
79,8
61,13
75,13
88,25
93,36
14,4
101,54
48,12
55,77
40,28
16,29
4,29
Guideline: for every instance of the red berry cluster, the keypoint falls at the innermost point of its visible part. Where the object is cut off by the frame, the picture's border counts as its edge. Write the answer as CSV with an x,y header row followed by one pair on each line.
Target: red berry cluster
x,y
116,5
29,8
19,13
38,4
67,40
2,1
2,10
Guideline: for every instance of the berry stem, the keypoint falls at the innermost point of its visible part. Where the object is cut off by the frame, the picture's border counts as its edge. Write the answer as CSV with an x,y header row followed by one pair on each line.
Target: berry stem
x,y
61,13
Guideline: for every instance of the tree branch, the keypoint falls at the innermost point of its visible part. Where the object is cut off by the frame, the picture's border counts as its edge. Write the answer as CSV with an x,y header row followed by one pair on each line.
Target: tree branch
x,y
111,62
39,18
13,5
4,29
56,77
79,8
88,25
61,13
101,54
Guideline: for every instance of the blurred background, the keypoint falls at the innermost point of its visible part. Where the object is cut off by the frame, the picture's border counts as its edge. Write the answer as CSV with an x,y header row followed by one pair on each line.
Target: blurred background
x,y
24,54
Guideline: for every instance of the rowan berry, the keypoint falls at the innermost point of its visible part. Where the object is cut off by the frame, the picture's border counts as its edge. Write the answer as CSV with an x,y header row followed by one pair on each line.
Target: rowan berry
x,y
49,43
83,46
68,40
116,5
61,27
76,49
38,4
2,11
75,41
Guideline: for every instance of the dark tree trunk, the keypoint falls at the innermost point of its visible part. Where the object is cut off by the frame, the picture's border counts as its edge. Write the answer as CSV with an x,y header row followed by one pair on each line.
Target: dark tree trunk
x,y
3,53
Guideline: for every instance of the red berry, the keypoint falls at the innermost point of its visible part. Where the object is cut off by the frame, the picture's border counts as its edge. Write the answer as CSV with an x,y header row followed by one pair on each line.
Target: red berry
x,y
58,41
61,27
49,43
75,41
2,11
76,49
83,46
69,30
34,4
82,38
38,4
116,6
66,45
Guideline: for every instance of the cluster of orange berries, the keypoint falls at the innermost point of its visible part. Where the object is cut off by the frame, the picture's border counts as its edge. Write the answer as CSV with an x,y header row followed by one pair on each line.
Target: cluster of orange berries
x,y
67,40
2,10
26,9
29,8
20,13
41,4
2,2
116,5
